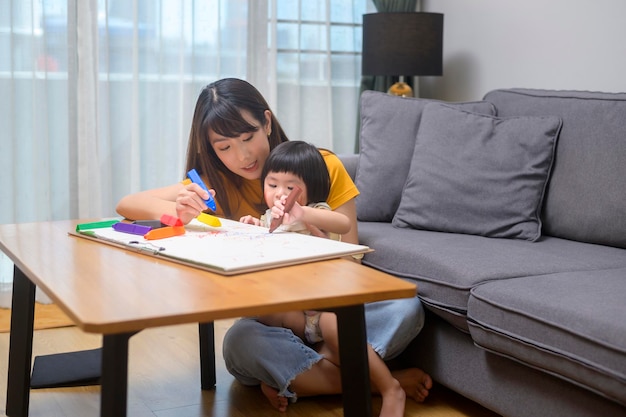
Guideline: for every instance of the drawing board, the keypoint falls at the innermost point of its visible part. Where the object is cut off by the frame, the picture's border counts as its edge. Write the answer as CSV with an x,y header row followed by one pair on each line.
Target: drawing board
x,y
232,248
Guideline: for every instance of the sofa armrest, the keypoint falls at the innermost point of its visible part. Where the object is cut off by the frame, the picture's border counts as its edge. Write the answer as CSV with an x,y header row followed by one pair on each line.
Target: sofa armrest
x,y
350,162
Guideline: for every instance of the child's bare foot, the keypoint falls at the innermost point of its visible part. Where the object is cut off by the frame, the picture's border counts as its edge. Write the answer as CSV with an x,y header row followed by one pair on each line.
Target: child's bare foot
x,y
415,382
277,401
394,399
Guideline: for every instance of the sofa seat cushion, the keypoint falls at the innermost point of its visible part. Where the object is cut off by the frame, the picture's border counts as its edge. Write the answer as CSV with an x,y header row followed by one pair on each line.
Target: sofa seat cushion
x,y
446,266
572,325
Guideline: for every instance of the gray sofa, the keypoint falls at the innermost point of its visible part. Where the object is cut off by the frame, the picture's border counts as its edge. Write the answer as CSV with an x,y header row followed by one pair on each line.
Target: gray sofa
x,y
510,216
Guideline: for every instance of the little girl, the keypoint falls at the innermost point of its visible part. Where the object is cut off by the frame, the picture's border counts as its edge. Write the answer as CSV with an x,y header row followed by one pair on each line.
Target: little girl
x,y
297,163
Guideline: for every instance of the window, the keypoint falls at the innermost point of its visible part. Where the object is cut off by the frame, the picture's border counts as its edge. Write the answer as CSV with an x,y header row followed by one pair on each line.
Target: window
x,y
318,68
85,124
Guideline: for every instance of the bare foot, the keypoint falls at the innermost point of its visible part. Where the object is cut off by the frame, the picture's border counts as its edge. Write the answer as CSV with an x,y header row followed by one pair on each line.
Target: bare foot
x,y
415,382
277,401
394,400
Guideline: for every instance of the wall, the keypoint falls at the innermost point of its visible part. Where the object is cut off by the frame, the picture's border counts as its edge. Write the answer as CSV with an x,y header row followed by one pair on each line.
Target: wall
x,y
556,44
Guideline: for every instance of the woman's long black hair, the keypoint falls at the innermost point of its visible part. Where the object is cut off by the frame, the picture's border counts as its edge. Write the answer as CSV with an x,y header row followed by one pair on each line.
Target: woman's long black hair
x,y
219,108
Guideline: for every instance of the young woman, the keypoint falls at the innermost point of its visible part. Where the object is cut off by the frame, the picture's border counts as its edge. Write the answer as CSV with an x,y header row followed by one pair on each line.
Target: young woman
x,y
232,134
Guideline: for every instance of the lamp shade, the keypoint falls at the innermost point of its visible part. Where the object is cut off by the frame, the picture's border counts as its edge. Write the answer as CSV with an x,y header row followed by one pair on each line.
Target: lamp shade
x,y
402,44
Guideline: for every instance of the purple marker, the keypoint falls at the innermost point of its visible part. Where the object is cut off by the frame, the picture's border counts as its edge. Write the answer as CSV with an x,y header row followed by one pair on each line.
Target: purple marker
x,y
133,229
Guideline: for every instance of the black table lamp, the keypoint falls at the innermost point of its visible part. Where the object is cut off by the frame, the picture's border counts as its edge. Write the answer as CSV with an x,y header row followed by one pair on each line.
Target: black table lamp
x,y
402,44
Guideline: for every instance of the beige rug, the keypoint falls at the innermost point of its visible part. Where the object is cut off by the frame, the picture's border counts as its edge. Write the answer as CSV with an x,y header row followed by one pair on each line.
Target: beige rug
x,y
47,316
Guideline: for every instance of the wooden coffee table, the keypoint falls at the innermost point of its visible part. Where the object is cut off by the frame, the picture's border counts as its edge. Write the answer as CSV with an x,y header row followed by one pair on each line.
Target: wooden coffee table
x,y
117,293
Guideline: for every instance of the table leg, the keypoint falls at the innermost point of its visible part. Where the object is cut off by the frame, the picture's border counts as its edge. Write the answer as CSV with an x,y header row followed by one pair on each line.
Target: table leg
x,y
355,379
114,380
206,332
20,345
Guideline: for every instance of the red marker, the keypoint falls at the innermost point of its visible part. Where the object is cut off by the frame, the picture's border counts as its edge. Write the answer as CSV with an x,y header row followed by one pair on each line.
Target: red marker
x,y
169,220
291,199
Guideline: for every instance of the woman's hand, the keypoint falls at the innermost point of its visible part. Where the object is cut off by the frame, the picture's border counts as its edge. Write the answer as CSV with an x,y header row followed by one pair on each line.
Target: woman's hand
x,y
190,202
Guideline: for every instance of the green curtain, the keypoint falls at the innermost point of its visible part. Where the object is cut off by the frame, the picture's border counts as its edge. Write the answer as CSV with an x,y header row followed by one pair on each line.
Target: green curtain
x,y
382,82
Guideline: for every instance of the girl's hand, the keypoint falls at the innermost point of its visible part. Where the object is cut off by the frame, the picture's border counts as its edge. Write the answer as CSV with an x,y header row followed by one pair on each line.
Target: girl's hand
x,y
316,231
295,214
250,220
279,206
190,202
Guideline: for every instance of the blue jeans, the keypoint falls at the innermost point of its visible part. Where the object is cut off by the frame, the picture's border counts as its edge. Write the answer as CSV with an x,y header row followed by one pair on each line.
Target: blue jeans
x,y
256,353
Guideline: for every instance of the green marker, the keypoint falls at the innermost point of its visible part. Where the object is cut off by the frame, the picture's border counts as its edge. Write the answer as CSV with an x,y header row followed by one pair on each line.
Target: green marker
x,y
96,225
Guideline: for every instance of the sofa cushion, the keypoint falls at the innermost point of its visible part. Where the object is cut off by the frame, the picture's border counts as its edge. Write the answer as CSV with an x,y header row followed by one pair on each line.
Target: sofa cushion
x,y
586,195
446,266
572,325
478,174
389,126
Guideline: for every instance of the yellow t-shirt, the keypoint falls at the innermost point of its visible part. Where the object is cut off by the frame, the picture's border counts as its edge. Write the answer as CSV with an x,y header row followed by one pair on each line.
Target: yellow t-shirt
x,y
342,188
242,200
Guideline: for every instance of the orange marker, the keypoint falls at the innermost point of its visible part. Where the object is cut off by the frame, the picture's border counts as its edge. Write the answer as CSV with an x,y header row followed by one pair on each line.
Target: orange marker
x,y
163,232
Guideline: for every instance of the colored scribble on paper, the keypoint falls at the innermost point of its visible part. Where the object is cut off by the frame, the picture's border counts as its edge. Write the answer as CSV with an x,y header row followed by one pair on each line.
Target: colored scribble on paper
x,y
240,247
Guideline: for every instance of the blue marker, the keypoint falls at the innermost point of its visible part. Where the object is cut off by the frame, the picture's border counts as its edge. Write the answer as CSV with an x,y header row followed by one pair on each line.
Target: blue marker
x,y
195,178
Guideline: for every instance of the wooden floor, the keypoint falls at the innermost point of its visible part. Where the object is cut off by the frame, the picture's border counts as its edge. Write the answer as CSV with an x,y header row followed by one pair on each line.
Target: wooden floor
x,y
164,381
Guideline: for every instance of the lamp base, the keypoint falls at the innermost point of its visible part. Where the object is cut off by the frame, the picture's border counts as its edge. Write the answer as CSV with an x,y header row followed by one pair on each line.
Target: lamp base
x,y
401,89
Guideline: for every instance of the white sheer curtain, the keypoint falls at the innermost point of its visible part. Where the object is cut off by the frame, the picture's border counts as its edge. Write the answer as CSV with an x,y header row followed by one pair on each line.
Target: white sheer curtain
x,y
96,96
315,68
